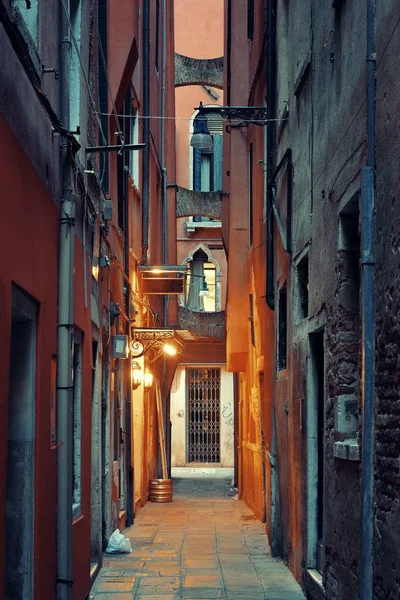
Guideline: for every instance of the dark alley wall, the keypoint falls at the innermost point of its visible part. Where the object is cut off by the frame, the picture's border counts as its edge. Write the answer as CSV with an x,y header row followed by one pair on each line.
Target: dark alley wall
x,y
298,183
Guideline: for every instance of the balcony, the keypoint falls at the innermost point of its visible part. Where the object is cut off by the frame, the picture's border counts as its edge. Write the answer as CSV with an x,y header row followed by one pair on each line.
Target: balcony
x,y
192,226
202,324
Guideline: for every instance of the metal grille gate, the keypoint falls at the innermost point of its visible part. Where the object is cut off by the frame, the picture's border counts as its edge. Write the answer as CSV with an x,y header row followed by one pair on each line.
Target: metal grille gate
x,y
203,410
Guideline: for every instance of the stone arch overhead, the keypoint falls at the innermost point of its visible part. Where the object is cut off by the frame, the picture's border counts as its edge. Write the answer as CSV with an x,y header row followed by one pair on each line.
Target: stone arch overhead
x,y
191,203
199,71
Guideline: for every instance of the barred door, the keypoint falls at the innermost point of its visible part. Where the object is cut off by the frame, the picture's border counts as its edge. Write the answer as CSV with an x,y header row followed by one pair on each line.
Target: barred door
x,y
203,411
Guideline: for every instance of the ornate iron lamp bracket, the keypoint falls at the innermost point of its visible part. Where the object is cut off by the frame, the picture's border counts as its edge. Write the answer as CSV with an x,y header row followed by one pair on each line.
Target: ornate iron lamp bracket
x,y
256,115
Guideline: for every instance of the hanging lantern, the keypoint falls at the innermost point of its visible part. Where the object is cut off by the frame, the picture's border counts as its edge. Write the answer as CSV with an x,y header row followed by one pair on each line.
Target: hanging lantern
x,y
148,379
136,374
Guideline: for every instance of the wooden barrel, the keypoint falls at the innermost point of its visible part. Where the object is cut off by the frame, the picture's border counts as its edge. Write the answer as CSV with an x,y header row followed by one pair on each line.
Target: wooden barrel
x,y
160,490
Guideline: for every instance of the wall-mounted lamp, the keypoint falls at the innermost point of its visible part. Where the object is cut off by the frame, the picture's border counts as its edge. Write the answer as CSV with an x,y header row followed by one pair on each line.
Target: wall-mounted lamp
x,y
104,261
153,343
201,137
148,379
255,115
120,346
169,349
136,374
203,288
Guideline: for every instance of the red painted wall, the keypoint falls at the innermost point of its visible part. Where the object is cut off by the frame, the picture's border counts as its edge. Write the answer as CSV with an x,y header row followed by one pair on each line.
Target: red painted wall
x,y
29,247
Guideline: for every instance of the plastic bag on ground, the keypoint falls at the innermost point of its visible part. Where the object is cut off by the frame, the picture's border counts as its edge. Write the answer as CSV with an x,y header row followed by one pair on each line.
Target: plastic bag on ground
x,y
118,544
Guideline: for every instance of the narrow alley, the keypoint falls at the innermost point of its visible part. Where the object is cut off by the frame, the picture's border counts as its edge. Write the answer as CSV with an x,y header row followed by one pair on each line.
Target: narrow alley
x,y
200,292
204,545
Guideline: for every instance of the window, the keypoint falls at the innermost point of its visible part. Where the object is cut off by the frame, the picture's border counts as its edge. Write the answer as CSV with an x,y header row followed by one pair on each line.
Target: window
x,y
348,347
30,17
251,195
157,48
250,19
77,423
282,329
201,270
302,289
133,156
75,7
251,319
127,160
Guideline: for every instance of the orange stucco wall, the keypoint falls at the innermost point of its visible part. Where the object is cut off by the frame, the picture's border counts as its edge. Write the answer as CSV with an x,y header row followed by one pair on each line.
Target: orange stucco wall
x,y
206,43
199,28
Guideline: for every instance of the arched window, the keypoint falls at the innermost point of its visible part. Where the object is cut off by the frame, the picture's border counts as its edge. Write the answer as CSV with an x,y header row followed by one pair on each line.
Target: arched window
x,y
200,270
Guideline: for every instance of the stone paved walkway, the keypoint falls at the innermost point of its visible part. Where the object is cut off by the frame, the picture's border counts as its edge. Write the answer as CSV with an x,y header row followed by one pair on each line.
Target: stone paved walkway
x,y
203,545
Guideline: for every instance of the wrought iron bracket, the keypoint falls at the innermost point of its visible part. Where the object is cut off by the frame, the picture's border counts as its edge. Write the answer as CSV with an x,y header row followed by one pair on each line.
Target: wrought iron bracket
x,y
146,341
256,115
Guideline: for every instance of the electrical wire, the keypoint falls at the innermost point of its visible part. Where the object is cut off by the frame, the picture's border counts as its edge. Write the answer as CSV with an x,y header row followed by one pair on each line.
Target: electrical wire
x,y
124,116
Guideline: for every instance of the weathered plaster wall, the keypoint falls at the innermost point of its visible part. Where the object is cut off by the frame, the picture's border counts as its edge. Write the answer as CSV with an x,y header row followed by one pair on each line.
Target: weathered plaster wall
x,y
321,92
30,236
387,425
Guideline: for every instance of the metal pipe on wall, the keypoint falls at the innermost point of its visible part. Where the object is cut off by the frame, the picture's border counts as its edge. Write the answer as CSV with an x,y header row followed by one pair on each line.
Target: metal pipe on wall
x,y
128,411
65,333
368,320
271,150
164,214
146,131
162,149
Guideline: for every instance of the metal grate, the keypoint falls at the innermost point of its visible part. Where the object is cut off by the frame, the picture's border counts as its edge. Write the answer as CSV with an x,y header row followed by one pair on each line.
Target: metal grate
x,y
204,407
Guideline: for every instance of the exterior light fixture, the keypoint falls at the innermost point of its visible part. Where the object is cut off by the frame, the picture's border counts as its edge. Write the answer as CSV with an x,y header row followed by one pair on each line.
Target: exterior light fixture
x,y
95,271
136,374
148,379
203,288
256,115
153,343
162,279
201,138
104,261
169,349
120,346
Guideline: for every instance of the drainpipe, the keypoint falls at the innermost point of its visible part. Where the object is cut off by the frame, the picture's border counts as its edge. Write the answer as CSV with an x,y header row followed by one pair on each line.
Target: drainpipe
x,y
163,161
271,141
164,212
368,320
128,413
65,332
146,131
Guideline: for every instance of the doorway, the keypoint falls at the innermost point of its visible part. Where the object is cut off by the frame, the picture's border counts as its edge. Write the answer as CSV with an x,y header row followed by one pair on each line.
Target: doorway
x,y
204,411
96,464
316,450
21,449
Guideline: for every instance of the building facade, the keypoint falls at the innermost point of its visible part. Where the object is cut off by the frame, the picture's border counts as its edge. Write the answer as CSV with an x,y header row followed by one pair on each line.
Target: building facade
x,y
318,434
79,81
202,388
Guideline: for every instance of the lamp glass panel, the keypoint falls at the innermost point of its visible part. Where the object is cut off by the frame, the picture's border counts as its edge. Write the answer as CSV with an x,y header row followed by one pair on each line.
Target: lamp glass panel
x,y
148,379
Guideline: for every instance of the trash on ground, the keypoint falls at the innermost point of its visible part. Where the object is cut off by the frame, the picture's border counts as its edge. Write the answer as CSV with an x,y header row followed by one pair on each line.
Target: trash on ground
x,y
118,543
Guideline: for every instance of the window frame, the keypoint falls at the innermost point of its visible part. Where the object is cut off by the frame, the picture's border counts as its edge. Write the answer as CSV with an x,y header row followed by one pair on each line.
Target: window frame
x,y
77,377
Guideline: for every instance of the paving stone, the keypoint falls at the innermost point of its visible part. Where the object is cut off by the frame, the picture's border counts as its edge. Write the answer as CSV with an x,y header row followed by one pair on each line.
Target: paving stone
x,y
113,586
202,581
203,546
113,596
